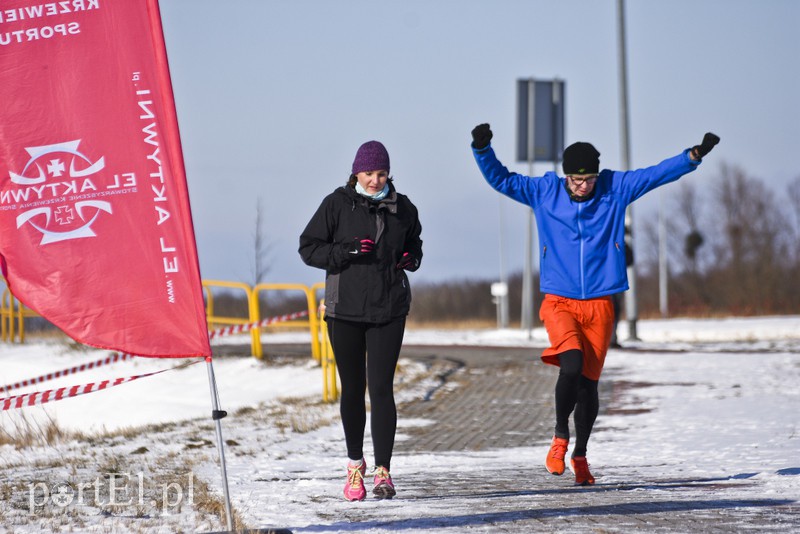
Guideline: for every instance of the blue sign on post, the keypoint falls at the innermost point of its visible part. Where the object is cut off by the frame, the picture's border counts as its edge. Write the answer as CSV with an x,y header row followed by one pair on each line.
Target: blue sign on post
x,y
540,120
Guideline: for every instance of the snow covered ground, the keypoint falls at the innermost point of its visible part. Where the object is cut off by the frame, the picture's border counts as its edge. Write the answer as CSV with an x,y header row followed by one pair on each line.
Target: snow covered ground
x,y
724,390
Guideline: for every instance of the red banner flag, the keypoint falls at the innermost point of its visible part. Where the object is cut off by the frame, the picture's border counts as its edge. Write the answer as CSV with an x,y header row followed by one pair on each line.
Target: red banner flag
x,y
95,225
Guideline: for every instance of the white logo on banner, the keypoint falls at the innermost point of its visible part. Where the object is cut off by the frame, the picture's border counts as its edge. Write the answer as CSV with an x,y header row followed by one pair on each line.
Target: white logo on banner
x,y
54,175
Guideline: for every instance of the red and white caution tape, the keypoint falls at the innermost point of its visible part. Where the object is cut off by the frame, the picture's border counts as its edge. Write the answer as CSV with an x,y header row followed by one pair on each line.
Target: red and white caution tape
x,y
120,356
43,397
240,328
115,357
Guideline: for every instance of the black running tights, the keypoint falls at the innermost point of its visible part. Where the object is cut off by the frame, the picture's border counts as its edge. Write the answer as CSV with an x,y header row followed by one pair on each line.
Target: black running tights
x,y
352,342
575,392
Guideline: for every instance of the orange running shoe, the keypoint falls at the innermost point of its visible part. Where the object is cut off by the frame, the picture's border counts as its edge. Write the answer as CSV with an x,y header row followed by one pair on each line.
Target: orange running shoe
x,y
555,457
580,467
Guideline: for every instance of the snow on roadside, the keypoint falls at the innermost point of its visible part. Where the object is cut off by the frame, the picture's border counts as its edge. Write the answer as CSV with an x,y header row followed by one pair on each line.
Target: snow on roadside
x,y
284,446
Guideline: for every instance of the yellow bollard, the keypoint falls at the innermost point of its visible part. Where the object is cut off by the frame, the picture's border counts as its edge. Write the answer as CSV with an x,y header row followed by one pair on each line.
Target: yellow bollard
x,y
330,390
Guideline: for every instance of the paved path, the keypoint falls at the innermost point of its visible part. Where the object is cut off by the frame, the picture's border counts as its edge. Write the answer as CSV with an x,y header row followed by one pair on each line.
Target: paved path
x,y
499,401
503,400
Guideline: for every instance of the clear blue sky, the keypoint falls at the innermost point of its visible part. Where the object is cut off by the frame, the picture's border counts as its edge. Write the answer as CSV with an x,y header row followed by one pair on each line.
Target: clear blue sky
x,y
274,98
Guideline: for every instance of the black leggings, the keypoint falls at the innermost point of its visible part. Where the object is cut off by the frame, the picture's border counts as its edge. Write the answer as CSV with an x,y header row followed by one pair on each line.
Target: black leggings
x,y
575,392
351,342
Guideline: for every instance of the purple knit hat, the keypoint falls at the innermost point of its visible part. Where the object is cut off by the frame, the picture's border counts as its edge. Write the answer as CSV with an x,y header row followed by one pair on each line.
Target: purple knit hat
x,y
371,156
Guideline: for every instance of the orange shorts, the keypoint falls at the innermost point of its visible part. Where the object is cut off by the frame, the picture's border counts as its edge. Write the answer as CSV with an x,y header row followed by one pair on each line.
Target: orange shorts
x,y
584,325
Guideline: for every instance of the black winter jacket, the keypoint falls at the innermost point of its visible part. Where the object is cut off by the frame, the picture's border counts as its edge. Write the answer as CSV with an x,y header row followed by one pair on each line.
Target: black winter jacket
x,y
368,288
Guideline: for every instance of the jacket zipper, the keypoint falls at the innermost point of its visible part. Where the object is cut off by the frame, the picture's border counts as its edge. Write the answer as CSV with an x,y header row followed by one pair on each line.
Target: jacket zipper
x,y
580,238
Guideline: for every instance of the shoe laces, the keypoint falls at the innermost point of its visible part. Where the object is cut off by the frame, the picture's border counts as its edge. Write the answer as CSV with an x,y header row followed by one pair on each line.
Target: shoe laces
x,y
381,473
354,475
559,449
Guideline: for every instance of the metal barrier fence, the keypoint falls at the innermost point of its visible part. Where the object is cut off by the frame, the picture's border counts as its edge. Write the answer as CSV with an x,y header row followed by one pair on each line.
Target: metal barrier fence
x,y
13,314
312,323
216,320
12,318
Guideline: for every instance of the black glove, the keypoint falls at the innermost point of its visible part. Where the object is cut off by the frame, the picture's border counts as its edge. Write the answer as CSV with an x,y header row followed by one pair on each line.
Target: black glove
x,y
359,246
481,135
408,262
709,141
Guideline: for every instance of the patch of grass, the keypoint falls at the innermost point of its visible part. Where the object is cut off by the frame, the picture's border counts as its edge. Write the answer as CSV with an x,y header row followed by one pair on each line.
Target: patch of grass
x,y
296,414
22,431
466,324
247,410
197,443
208,502
151,467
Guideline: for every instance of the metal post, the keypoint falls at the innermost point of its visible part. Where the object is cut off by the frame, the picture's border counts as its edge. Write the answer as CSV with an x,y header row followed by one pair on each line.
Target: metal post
x,y
631,305
527,277
499,319
216,415
663,267
502,309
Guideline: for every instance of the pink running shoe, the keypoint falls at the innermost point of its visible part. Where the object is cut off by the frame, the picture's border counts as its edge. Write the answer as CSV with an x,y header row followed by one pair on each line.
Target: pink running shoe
x,y
384,488
354,489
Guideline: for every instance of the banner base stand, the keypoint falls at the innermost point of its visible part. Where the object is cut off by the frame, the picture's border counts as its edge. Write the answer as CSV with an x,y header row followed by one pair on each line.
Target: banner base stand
x,y
254,531
216,415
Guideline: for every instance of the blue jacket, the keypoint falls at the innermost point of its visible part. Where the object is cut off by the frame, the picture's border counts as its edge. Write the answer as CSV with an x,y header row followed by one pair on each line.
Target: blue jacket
x,y
581,244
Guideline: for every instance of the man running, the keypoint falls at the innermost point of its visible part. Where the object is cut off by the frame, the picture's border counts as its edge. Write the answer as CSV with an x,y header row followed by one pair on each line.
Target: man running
x,y
581,224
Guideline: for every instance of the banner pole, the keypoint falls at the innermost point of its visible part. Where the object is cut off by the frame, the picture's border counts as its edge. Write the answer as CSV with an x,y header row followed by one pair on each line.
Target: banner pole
x,y
216,415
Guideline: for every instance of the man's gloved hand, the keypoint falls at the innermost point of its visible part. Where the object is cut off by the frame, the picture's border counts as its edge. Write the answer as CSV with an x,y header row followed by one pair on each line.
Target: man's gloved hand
x,y
359,246
408,262
709,141
481,136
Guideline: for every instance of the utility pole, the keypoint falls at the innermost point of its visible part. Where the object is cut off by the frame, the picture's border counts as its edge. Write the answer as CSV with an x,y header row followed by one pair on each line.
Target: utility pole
x,y
663,265
631,305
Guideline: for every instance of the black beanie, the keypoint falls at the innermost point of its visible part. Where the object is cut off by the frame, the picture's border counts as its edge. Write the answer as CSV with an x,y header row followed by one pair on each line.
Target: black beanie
x,y
581,158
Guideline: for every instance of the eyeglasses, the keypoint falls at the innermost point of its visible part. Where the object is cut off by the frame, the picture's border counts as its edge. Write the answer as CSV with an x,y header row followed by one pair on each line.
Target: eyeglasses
x,y
587,179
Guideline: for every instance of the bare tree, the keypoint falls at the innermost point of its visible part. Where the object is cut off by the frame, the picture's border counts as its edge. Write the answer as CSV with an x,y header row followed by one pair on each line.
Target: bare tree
x,y
752,252
647,250
646,258
691,235
793,236
688,206
261,246
794,205
735,245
